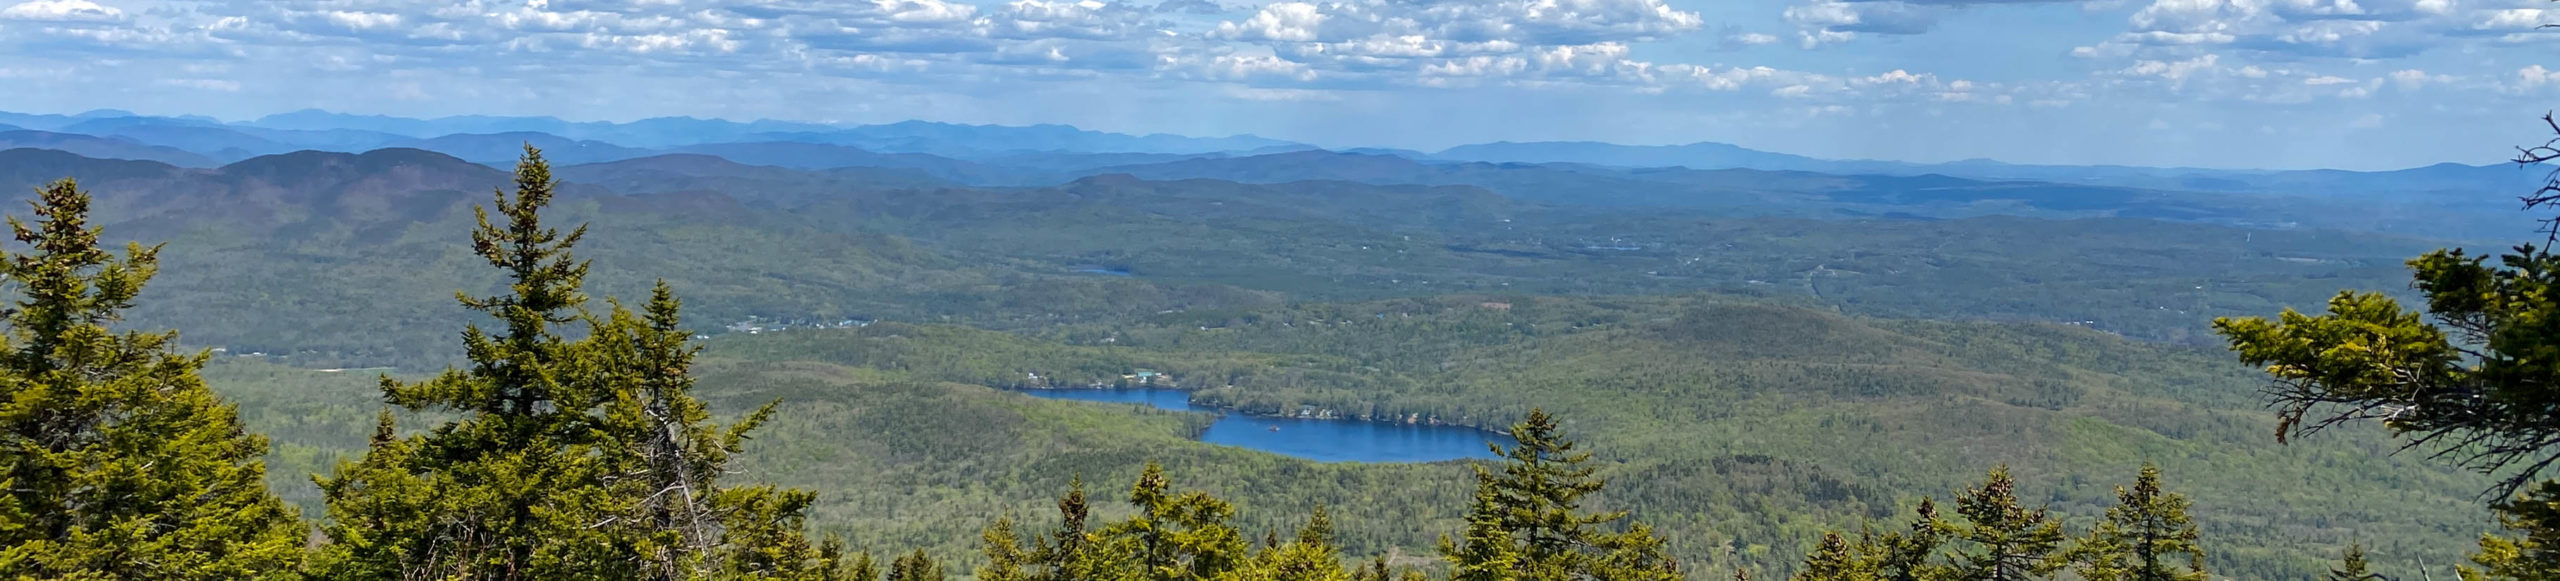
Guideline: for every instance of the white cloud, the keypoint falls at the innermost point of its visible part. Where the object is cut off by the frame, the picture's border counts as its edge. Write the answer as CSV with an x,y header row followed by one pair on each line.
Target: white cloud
x,y
1281,21
2535,77
226,86
2356,29
61,11
1821,22
2174,71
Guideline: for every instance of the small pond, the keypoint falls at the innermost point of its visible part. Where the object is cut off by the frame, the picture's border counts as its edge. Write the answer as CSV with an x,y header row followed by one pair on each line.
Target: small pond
x,y
1319,440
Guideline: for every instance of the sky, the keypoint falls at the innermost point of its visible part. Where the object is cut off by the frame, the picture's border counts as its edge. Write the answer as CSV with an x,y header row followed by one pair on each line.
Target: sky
x,y
2356,84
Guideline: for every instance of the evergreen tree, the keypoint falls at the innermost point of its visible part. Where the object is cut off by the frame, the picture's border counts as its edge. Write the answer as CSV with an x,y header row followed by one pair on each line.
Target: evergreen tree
x,y
1308,557
2475,384
1375,571
2140,534
1888,556
1004,553
1835,560
2007,542
915,567
507,490
2351,567
1177,537
116,460
1073,553
1905,555
667,458
1535,501
1488,552
863,568
2533,554
568,459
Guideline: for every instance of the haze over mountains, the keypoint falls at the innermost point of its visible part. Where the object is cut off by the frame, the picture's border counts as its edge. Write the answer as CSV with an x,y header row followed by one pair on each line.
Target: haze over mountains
x,y
1045,154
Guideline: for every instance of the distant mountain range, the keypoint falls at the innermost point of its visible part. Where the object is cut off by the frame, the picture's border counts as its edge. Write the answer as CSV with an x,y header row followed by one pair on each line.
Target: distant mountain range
x,y
990,155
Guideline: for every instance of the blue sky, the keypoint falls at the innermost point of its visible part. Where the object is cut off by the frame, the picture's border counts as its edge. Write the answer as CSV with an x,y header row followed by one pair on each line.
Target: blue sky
x,y
2219,83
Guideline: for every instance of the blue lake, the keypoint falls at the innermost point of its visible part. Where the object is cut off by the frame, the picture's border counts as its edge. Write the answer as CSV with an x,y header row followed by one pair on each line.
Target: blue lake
x,y
1319,440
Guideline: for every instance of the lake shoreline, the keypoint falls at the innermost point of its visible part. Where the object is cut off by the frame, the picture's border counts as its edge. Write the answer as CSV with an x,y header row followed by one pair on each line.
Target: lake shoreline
x,y
1230,410
1334,438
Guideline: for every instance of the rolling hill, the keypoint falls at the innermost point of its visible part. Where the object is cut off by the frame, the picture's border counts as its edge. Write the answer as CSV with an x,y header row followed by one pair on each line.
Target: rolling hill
x,y
1741,427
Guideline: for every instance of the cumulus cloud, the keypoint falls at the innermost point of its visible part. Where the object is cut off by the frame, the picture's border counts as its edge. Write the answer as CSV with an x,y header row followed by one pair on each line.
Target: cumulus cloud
x,y
1522,22
2358,29
2174,71
1750,39
1277,50
1821,22
61,11
1464,43
2535,78
1280,21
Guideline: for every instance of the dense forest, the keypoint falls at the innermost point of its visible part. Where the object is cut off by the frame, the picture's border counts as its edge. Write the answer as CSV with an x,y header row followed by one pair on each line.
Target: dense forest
x,y
334,260
1659,434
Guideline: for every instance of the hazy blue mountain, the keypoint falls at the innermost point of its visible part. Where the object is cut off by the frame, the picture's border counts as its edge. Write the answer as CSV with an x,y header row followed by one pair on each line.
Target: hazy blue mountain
x,y
978,141
904,137
1695,155
1293,166
687,173
315,119
667,132
1407,153
504,148
1048,154
1070,162
28,121
215,141
646,133
52,122
827,156
102,147
25,168
2439,178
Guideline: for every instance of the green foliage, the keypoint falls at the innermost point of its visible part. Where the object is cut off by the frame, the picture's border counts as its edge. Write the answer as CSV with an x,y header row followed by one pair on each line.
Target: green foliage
x,y
2473,388
1004,553
1488,551
1310,556
117,461
1905,555
2140,535
2351,565
1834,560
2474,385
1995,537
1740,430
1175,537
1172,537
2533,553
338,260
1537,525
915,567
565,459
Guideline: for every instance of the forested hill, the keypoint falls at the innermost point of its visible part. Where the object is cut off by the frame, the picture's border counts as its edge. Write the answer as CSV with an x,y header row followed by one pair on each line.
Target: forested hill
x,y
346,259
1742,429
1748,379
1744,380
